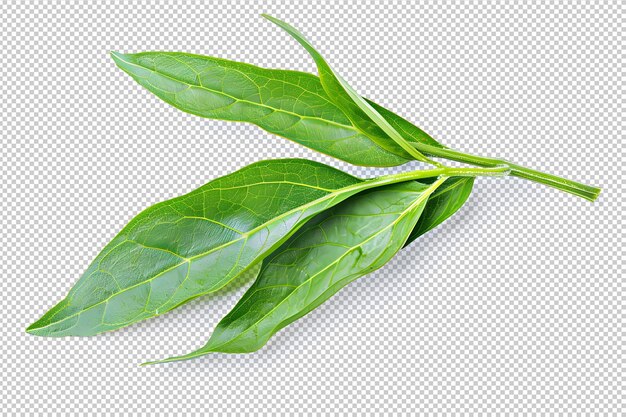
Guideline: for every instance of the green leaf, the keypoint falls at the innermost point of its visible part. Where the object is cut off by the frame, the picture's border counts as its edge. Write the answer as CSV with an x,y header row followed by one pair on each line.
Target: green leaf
x,y
408,130
362,114
441,204
290,104
336,247
286,103
197,243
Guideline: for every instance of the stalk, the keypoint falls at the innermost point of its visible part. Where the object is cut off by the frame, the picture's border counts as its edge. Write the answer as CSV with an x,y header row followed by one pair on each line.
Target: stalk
x,y
442,171
587,192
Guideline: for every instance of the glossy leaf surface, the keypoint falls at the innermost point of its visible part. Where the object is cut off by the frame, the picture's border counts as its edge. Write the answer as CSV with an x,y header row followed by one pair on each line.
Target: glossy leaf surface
x,y
196,244
290,104
334,248
362,114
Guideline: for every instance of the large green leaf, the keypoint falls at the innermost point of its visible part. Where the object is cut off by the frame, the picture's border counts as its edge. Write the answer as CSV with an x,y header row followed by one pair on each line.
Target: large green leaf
x,y
197,243
286,103
336,247
362,114
441,204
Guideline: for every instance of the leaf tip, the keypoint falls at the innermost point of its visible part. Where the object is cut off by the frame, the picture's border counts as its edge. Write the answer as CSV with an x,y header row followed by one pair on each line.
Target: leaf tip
x,y
35,328
31,328
122,60
149,363
116,56
274,20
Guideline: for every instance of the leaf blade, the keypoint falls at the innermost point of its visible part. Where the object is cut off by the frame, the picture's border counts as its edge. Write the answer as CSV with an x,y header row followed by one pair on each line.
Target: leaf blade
x,y
195,244
362,114
334,248
290,104
408,130
442,204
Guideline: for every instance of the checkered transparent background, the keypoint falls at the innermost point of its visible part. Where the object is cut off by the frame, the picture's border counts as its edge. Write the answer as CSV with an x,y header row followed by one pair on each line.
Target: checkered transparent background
x,y
515,304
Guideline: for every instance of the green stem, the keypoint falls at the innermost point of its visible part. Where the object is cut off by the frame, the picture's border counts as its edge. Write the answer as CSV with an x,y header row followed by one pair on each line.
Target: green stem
x,y
497,171
587,192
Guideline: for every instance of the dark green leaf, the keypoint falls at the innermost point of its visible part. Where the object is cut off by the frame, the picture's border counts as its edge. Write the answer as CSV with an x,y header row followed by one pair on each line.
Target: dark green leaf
x,y
441,204
195,244
334,248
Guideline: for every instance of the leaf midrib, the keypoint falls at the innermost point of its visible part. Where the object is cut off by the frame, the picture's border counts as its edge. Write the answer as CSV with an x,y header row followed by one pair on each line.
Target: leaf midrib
x,y
274,109
231,65
355,187
458,183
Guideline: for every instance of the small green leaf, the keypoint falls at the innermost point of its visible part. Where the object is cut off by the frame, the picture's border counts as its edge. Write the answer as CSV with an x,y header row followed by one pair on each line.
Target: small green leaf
x,y
362,114
336,247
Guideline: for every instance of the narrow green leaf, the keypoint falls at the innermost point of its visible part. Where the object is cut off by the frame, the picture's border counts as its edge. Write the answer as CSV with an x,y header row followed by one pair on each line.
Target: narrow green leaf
x,y
362,114
441,204
334,248
197,243
290,104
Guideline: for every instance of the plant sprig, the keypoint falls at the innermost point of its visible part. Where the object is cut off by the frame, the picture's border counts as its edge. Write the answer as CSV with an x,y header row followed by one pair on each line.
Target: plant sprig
x,y
313,228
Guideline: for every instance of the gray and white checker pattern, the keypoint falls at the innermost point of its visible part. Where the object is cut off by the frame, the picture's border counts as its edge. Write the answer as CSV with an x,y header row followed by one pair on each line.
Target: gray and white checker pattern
x,y
514,305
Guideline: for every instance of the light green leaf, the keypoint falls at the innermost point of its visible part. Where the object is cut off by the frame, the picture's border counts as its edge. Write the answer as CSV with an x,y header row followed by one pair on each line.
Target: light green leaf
x,y
290,104
362,114
197,243
336,247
